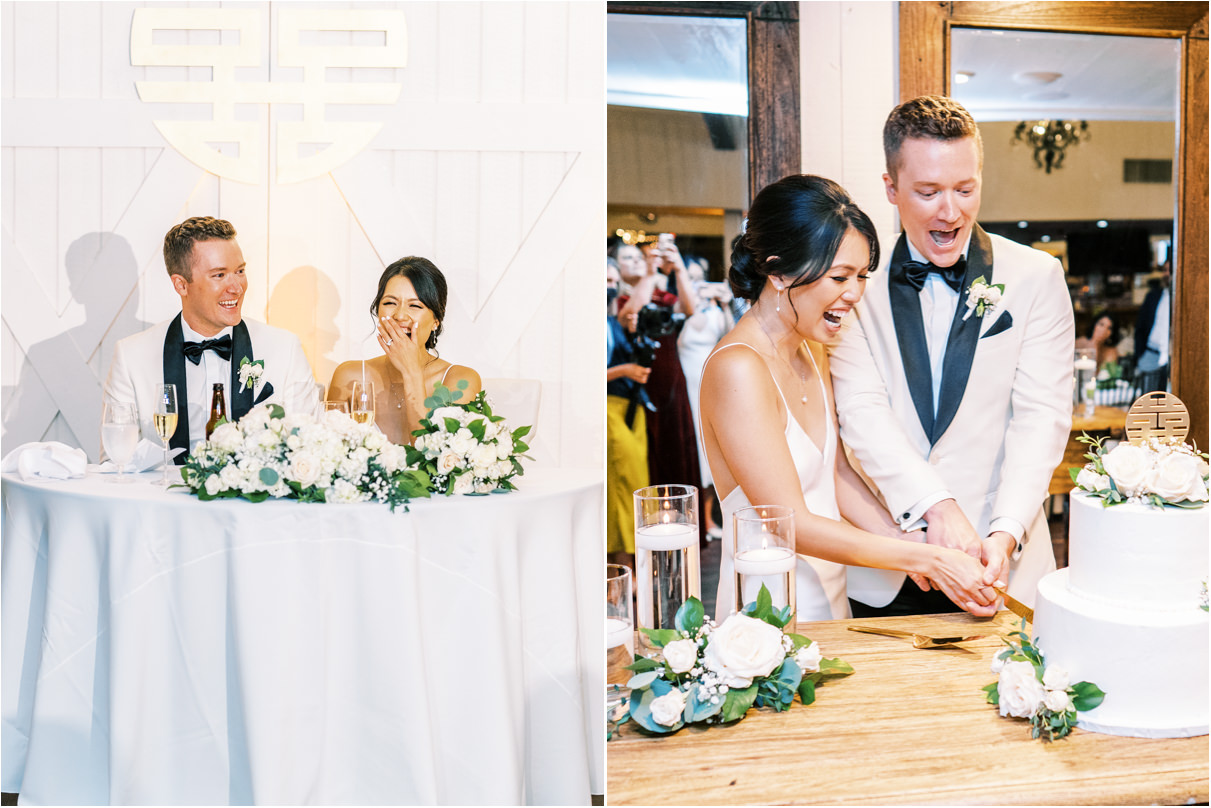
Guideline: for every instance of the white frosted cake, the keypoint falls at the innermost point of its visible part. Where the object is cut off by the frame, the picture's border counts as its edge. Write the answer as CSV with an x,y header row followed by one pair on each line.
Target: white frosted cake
x,y
1126,614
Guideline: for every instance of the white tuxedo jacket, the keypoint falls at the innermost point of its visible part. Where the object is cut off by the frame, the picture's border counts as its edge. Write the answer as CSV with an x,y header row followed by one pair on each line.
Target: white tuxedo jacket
x,y
1004,410
138,366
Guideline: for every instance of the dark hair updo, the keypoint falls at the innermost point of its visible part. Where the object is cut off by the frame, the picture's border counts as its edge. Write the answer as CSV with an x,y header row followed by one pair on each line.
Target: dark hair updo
x,y
430,286
795,227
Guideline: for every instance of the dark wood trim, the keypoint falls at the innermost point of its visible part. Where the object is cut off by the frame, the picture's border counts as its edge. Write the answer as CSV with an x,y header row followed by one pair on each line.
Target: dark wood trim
x,y
774,135
924,69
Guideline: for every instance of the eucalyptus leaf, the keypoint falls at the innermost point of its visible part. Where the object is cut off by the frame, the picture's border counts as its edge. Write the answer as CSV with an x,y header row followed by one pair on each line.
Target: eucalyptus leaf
x,y
641,680
696,710
268,476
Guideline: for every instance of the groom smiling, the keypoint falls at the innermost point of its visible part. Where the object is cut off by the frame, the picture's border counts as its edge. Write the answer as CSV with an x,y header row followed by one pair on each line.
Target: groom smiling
x,y
207,342
953,381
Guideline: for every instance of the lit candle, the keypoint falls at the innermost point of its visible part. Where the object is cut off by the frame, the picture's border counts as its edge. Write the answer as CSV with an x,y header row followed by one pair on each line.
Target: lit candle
x,y
765,561
666,536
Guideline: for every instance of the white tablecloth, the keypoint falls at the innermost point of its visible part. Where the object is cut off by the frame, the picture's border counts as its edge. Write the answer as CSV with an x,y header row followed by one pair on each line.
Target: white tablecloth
x,y
159,649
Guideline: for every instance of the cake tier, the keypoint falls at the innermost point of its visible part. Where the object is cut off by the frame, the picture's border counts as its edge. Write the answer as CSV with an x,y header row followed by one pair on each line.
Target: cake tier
x,y
1150,558
1152,665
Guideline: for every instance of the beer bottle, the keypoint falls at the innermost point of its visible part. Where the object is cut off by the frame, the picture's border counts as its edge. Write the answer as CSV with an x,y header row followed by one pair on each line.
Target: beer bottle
x,y
218,409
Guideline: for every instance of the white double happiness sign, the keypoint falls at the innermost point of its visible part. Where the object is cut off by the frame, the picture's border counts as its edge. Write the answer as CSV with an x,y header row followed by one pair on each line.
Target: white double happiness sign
x,y
342,139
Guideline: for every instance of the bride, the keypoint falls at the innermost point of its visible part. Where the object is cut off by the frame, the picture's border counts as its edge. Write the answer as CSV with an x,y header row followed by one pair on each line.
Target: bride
x,y
769,424
408,311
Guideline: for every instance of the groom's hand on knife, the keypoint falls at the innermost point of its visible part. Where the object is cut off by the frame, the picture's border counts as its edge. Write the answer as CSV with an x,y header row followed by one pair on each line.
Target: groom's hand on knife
x,y
997,549
948,526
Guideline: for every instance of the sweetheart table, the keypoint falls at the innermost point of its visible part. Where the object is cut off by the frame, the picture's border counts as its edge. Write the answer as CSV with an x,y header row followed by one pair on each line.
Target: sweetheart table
x,y
160,649
909,726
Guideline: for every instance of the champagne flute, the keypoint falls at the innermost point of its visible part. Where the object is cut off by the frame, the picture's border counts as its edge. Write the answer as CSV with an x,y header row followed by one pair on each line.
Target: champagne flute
x,y
361,402
339,406
165,419
119,433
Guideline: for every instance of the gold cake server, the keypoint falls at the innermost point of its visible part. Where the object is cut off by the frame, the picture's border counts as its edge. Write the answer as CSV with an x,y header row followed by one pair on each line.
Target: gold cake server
x,y
918,640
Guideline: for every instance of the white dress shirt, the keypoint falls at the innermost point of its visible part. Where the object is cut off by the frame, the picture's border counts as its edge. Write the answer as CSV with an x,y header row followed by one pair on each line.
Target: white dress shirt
x,y
201,379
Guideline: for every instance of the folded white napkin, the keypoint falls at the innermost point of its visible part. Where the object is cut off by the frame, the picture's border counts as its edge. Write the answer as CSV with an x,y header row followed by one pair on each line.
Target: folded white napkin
x,y
50,460
148,455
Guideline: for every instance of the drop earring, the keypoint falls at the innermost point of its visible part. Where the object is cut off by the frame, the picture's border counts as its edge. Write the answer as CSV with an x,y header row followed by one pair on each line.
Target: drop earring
x,y
778,302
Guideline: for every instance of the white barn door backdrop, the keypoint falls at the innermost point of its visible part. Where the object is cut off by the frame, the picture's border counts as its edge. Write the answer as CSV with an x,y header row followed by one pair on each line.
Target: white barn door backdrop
x,y
336,137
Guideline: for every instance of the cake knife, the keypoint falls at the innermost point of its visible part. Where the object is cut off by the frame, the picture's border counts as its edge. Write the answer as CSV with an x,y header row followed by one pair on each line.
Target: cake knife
x,y
918,640
1017,607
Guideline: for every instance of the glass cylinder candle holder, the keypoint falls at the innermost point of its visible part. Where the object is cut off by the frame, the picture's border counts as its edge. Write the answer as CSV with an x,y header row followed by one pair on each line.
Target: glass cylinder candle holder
x,y
1084,370
764,554
620,631
666,553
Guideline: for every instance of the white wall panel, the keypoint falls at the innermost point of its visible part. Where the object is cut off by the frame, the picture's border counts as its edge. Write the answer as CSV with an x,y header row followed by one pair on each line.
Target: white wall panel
x,y
489,163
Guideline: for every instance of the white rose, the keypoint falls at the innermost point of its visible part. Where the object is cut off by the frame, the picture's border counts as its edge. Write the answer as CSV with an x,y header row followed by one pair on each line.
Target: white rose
x,y
977,289
992,296
997,664
667,709
305,469
1128,466
1019,689
419,442
743,648
440,415
227,437
483,455
681,655
375,441
1057,701
338,421
343,491
213,485
502,469
1176,477
1090,480
392,458
464,484
447,462
293,441
463,442
809,657
1055,678
231,477
504,448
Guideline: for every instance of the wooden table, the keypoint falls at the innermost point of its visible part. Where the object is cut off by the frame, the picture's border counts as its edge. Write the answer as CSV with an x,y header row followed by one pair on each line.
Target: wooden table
x,y
907,727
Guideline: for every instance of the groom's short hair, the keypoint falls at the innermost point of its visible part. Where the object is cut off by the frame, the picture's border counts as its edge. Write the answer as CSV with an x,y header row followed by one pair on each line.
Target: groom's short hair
x,y
932,117
179,241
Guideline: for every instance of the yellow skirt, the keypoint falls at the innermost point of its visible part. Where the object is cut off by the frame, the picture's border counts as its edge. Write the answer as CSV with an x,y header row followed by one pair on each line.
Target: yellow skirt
x,y
626,471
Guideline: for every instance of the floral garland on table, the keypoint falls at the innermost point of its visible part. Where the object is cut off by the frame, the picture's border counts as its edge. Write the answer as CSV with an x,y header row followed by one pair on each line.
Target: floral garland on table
x,y
1154,472
268,453
1029,688
465,448
712,674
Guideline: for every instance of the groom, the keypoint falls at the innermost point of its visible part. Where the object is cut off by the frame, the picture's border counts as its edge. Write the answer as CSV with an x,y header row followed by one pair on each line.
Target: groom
x,y
956,398
208,341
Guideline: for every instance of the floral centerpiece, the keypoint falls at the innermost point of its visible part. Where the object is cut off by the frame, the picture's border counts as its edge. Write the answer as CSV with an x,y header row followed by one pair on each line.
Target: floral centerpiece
x,y
268,453
465,448
711,674
1030,688
1154,472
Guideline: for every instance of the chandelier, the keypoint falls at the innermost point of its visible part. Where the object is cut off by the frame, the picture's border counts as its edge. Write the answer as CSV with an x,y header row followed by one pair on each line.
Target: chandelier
x,y
1051,139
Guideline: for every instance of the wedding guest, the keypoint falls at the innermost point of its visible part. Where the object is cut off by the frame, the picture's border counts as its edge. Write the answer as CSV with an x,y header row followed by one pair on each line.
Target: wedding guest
x,y
1152,325
768,417
408,310
1103,338
955,397
626,443
712,318
208,341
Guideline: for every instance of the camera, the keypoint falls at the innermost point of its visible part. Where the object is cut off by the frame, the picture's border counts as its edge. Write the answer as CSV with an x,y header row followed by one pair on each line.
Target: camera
x,y
653,322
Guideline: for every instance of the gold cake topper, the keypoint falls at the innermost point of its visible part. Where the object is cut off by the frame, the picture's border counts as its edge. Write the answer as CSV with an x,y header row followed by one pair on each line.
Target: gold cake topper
x,y
1158,415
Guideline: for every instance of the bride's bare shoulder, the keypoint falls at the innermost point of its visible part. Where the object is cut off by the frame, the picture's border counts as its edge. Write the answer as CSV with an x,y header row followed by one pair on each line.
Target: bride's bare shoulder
x,y
736,370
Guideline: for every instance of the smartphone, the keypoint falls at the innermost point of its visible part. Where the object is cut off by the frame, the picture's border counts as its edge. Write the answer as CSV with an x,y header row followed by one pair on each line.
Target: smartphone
x,y
665,240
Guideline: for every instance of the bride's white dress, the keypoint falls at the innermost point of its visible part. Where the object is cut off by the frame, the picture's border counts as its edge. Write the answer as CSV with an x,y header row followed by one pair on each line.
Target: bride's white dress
x,y
820,585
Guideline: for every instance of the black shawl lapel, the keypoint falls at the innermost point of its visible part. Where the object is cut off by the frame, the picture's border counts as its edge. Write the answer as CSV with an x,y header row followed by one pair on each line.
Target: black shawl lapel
x,y
241,347
910,334
964,334
174,373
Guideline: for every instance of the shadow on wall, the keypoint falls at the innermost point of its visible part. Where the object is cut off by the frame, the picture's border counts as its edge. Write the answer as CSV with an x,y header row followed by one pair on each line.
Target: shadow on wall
x,y
306,302
58,394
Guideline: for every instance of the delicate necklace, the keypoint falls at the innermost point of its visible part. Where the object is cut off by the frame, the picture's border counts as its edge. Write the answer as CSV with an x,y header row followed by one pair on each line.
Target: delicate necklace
x,y
802,375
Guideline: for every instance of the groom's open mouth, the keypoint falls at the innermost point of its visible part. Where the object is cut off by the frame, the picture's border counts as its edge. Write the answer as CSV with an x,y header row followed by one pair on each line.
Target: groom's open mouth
x,y
944,238
230,305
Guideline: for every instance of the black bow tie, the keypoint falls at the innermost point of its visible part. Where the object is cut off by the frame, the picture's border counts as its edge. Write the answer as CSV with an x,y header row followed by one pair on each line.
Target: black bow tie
x,y
915,273
221,346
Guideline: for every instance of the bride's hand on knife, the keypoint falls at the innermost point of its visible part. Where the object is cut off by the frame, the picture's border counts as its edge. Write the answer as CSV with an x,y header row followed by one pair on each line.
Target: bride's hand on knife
x,y
962,579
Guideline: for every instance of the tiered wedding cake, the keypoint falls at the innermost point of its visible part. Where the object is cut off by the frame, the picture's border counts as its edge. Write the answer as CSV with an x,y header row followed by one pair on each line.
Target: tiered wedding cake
x,y
1128,612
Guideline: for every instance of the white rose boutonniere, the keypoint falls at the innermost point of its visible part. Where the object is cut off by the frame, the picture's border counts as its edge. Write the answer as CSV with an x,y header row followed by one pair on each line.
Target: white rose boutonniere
x,y
251,373
983,297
